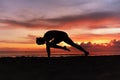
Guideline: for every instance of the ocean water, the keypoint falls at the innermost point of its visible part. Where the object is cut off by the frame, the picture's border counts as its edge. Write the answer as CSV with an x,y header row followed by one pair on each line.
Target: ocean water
x,y
44,54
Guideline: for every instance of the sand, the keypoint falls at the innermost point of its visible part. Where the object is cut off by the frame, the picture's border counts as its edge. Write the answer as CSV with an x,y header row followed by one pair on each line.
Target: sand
x,y
60,68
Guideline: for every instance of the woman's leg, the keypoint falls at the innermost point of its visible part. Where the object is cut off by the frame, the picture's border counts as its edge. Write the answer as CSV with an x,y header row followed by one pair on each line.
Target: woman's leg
x,y
70,42
54,43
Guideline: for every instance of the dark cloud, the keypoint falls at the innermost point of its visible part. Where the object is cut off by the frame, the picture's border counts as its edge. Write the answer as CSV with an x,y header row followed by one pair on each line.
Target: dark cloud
x,y
112,46
14,22
27,24
99,27
60,21
91,16
95,16
93,20
116,43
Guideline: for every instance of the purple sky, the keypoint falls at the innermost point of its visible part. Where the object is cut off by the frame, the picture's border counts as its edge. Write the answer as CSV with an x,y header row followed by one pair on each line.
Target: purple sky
x,y
30,9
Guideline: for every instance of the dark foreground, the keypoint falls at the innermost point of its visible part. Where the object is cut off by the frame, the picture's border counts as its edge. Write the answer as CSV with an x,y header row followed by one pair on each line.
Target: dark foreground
x,y
62,68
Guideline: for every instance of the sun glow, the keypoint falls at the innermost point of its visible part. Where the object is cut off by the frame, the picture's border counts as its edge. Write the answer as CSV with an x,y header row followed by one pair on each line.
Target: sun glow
x,y
100,41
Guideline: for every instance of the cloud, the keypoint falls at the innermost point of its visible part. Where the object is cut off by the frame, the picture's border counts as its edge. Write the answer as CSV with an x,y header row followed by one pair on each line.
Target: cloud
x,y
92,20
95,16
95,38
29,39
14,22
115,43
30,36
113,46
39,24
98,35
16,42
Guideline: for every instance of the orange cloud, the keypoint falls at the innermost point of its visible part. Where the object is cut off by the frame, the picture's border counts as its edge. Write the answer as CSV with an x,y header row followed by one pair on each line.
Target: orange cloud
x,y
91,24
95,38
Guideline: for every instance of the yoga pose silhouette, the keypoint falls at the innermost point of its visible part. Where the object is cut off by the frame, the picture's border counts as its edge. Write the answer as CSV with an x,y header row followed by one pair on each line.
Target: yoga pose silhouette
x,y
53,37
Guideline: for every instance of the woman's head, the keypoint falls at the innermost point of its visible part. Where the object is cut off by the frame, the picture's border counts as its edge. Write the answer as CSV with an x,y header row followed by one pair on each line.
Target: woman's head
x,y
40,40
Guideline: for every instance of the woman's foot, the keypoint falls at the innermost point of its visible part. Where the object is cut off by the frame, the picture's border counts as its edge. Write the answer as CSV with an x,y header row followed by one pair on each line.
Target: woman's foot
x,y
86,53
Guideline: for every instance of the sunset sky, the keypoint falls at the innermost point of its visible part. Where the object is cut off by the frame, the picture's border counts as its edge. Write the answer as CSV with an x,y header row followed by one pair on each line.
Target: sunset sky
x,y
21,21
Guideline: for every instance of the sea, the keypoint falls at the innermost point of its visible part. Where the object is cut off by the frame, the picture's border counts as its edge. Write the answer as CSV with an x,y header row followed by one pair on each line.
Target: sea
x,y
55,54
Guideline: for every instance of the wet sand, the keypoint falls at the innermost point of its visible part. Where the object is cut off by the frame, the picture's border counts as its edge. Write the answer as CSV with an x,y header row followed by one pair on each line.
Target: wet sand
x,y
60,68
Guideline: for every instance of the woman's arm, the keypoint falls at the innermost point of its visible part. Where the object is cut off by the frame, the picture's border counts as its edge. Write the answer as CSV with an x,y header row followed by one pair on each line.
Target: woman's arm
x,y
48,48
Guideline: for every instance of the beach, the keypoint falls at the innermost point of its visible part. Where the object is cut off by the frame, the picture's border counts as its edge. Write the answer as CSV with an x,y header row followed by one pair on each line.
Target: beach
x,y
60,68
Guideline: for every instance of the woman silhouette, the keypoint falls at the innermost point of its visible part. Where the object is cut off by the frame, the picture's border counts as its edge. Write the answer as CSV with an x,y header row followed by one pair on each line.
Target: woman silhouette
x,y
53,37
